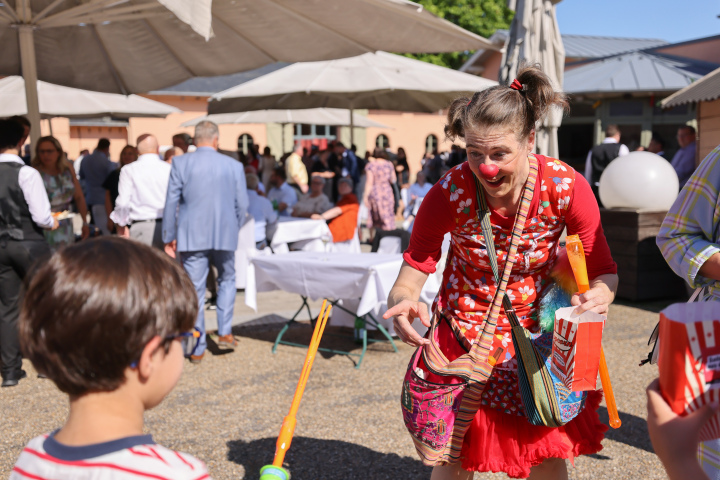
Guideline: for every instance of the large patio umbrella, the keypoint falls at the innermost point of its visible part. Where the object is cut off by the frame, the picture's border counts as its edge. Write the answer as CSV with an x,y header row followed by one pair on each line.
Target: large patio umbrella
x,y
59,101
311,116
535,38
135,46
380,81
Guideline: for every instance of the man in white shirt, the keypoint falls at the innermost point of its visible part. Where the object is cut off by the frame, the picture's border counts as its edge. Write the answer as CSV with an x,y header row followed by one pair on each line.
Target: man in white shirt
x,y
600,156
314,202
282,195
262,211
141,195
24,212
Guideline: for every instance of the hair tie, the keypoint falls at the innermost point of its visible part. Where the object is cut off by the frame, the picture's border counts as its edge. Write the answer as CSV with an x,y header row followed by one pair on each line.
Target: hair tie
x,y
516,85
469,102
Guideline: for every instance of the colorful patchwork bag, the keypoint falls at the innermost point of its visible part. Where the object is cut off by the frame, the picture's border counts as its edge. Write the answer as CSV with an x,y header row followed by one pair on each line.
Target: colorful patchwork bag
x,y
437,415
546,399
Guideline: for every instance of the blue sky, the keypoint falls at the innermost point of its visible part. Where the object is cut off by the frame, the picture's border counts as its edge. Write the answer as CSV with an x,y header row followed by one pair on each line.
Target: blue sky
x,y
671,20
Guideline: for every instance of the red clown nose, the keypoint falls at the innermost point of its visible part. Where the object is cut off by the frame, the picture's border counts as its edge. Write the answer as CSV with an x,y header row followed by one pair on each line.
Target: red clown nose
x,y
489,171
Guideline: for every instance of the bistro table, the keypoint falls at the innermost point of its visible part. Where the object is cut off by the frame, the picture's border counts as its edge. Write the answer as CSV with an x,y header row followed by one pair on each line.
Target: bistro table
x,y
311,235
357,284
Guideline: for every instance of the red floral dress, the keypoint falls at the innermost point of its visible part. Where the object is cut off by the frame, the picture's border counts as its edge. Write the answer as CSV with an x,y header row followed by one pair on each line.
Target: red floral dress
x,y
500,438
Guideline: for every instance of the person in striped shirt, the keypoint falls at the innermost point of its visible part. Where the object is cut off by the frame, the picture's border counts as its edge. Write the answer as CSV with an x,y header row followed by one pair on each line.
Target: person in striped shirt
x,y
108,334
689,239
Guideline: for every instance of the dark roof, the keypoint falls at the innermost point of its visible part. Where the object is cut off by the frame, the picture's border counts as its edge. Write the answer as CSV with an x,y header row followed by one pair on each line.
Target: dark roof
x,y
690,42
587,46
635,72
207,86
579,46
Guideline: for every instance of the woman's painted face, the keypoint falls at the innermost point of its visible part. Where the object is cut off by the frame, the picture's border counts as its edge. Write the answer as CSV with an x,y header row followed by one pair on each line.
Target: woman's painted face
x,y
48,154
494,146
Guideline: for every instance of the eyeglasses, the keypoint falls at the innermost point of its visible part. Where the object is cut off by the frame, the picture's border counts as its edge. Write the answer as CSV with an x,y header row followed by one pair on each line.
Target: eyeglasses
x,y
191,341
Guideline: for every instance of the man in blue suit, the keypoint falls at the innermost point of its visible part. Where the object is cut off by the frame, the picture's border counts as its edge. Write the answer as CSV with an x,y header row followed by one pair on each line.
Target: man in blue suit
x,y
204,210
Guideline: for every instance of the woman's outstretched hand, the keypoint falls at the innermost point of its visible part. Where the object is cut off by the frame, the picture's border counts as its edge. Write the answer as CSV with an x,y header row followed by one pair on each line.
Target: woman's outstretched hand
x,y
404,313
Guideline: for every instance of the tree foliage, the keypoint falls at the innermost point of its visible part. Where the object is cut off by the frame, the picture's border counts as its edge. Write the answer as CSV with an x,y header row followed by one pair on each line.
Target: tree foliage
x,y
481,17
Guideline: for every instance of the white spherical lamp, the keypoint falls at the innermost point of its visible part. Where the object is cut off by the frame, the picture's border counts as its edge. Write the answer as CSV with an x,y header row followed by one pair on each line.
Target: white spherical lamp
x,y
639,180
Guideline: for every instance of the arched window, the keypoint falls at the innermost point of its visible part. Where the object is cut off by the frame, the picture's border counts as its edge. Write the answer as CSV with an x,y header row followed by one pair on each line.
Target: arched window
x,y
245,142
431,143
382,141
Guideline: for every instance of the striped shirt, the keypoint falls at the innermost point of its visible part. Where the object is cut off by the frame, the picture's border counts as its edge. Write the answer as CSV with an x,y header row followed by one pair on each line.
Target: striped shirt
x,y
131,458
690,233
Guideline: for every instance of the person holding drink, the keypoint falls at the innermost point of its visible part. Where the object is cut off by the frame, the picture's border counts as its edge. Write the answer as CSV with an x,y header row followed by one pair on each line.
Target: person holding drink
x,y
498,128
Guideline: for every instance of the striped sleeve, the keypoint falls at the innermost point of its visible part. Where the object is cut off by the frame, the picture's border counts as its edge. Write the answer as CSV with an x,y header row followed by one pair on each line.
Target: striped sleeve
x,y
141,462
689,234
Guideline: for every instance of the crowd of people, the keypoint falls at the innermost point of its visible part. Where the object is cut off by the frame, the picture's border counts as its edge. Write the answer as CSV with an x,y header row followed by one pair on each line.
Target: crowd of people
x,y
163,199
600,156
184,210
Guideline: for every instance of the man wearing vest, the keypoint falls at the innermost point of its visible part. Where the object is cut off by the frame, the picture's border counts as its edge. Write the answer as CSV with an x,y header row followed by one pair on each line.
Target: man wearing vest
x,y
601,155
24,212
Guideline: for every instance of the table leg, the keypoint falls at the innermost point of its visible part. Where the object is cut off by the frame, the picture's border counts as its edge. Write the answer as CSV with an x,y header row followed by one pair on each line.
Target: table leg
x,y
366,319
372,321
364,349
278,339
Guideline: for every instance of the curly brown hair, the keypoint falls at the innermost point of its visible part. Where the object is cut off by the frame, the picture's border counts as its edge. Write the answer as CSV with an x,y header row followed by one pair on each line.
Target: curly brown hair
x,y
502,106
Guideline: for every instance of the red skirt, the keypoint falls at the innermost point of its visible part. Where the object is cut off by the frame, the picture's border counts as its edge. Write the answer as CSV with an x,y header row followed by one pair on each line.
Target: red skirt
x,y
506,442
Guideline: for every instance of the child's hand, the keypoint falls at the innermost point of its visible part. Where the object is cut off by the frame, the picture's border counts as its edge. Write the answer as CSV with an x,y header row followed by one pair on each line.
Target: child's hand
x,y
675,438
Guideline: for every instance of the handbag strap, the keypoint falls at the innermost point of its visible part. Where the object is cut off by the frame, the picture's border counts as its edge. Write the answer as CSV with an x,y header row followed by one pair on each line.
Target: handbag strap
x,y
474,366
520,218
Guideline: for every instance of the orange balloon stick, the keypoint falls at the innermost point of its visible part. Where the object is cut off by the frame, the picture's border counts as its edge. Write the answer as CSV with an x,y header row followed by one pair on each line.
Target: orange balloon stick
x,y
288,426
576,255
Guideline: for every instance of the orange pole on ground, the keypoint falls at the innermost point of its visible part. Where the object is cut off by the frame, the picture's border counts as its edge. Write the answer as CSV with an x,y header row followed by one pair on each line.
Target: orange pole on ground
x,y
576,255
288,426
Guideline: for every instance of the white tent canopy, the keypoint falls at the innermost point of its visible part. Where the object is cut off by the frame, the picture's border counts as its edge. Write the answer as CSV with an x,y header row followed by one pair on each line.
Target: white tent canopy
x,y
535,38
311,116
58,101
135,46
380,81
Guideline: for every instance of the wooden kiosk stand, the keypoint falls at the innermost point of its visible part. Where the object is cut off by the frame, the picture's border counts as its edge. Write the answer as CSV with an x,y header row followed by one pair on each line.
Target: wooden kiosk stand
x,y
643,272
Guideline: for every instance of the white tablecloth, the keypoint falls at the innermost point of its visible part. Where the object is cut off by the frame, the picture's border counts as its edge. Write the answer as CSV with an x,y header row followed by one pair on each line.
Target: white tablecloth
x,y
362,280
291,230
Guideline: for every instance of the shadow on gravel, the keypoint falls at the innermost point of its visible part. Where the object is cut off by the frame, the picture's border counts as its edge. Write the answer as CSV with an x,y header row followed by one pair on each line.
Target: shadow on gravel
x,y
655,306
336,338
632,432
310,459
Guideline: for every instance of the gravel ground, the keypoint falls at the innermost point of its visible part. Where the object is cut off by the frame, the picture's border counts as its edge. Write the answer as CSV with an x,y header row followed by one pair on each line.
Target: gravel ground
x,y
228,409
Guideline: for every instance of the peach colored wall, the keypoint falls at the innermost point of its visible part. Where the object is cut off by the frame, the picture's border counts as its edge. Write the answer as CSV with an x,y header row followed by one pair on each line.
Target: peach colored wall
x,y
708,50
74,139
409,131
492,66
192,107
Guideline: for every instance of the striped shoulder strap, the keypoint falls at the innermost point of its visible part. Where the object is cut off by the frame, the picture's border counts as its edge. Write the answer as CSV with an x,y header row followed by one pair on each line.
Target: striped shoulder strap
x,y
473,366
485,342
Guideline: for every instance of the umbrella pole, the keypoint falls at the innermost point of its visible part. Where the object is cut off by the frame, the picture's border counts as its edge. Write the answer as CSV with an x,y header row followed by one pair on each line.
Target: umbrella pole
x,y
352,128
29,72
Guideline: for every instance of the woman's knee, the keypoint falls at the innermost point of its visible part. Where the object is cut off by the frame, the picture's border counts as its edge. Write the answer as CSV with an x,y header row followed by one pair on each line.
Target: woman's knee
x,y
451,472
550,468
